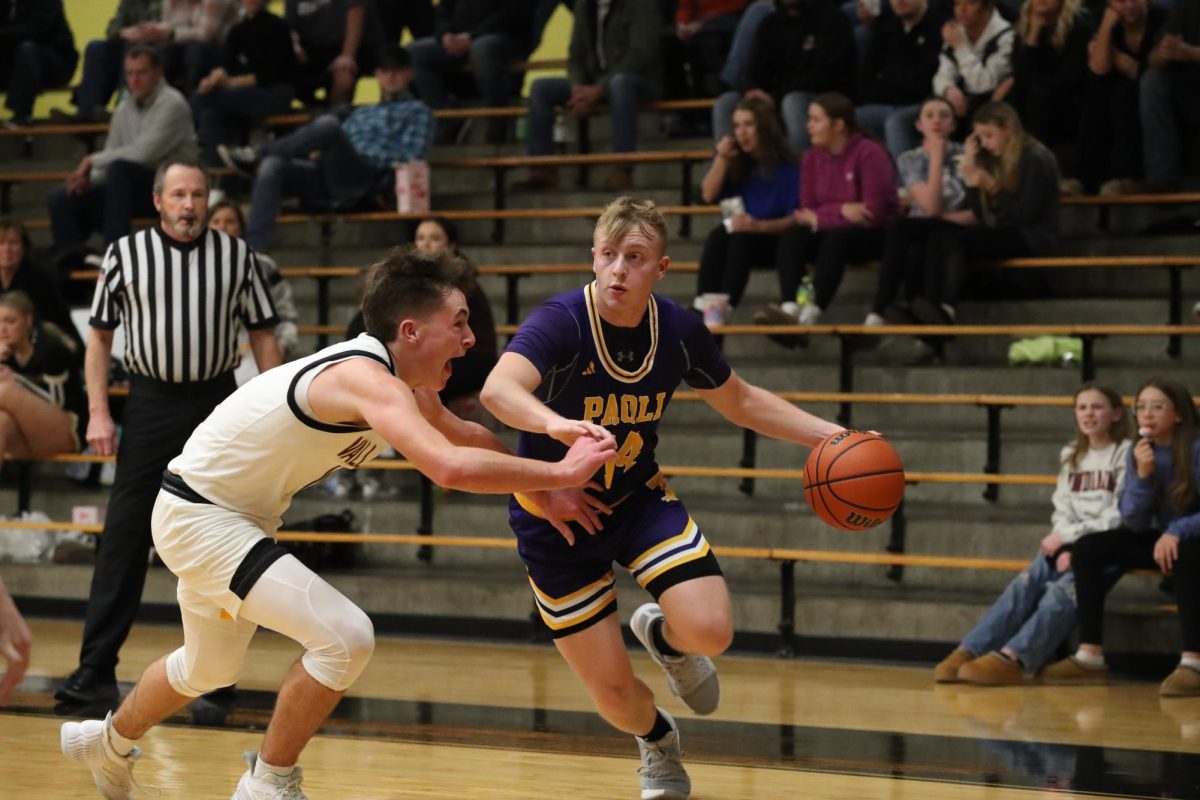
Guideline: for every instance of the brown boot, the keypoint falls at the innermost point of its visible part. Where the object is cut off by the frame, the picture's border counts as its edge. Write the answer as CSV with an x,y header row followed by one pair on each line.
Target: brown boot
x,y
1183,682
992,669
947,671
541,179
1071,672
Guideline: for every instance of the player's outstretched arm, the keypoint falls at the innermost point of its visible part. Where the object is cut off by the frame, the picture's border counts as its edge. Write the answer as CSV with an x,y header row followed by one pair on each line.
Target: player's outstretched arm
x,y
458,430
508,394
755,408
15,642
358,389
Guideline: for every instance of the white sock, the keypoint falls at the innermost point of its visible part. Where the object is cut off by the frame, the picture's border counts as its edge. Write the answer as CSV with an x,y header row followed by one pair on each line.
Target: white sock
x,y
791,307
262,769
874,319
121,744
1190,663
949,311
1089,659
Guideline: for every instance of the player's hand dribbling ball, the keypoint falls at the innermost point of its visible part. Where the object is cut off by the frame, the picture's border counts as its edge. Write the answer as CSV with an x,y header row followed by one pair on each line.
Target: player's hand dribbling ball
x,y
854,480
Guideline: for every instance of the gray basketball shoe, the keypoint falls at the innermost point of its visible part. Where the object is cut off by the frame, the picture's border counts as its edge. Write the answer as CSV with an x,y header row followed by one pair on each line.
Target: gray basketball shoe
x,y
663,775
693,679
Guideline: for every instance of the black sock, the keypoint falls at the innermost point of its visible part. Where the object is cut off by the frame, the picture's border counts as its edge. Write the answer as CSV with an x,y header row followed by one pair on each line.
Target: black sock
x,y
660,641
661,728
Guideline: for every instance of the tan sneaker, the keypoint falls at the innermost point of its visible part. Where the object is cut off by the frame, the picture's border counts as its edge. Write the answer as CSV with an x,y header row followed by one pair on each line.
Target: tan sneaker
x,y
1071,672
1183,682
947,671
992,669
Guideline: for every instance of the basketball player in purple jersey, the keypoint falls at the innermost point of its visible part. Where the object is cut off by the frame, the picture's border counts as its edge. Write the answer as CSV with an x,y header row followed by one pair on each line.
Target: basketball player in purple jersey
x,y
601,360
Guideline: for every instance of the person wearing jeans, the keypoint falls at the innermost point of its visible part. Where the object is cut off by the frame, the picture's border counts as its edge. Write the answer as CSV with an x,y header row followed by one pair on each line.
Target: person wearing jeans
x,y
614,60
490,36
251,83
1160,511
354,155
790,76
1036,612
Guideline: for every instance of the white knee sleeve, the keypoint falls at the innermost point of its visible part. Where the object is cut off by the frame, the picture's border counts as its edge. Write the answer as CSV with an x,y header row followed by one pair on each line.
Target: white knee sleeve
x,y
212,655
338,636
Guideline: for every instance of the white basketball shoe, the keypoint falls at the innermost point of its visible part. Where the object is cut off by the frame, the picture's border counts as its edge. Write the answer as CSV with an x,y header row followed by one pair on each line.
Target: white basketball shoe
x,y
692,678
87,743
268,787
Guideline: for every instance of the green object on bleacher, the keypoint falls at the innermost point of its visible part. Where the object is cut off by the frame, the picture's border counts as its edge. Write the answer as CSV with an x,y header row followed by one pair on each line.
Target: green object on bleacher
x,y
1046,351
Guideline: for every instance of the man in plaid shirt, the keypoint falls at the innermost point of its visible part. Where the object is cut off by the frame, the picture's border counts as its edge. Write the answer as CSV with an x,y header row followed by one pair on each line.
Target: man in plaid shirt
x,y
336,160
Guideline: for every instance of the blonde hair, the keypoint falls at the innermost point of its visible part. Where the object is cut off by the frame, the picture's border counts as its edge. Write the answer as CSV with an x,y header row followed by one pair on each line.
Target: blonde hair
x,y
1067,17
1005,168
626,215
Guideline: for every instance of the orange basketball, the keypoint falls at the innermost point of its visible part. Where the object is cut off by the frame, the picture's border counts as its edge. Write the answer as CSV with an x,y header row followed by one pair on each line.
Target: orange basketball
x,y
854,480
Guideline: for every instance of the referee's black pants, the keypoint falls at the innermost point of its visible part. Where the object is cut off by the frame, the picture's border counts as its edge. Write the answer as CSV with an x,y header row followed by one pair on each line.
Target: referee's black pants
x,y
159,417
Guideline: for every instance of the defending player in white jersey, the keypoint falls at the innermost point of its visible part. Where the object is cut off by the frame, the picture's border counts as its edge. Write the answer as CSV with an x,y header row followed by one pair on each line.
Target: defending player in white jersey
x,y
223,496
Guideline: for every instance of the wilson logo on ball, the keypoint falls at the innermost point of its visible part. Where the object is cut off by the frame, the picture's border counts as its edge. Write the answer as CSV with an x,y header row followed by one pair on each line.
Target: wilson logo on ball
x,y
854,480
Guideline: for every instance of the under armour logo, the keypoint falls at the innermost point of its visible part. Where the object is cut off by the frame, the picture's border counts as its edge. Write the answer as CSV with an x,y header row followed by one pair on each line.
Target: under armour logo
x,y
627,355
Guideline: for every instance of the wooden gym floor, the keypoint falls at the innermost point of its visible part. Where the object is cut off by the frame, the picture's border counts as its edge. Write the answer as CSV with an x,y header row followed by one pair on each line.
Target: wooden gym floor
x,y
440,719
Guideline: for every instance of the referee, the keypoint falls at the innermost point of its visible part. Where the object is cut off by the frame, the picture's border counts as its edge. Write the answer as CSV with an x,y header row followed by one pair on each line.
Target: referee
x,y
182,291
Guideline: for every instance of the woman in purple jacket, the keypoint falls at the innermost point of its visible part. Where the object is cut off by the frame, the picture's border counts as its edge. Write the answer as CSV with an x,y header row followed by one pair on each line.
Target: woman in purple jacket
x,y
847,196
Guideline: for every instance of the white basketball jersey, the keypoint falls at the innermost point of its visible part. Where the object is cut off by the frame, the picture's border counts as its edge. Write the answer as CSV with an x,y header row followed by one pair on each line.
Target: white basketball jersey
x,y
263,444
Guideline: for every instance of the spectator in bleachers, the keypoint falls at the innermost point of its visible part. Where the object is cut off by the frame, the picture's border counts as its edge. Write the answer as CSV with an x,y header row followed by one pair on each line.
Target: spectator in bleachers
x,y
936,197
1014,193
37,52
331,160
1110,155
847,198
191,33
112,186
1160,514
976,56
805,48
613,59
754,165
334,41
695,44
19,272
226,216
104,59
1036,612
898,68
43,407
488,35
461,392
254,80
1049,76
1170,113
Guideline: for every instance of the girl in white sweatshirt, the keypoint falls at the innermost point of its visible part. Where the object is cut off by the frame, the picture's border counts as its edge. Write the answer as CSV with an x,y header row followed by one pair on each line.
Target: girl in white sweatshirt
x,y
1035,613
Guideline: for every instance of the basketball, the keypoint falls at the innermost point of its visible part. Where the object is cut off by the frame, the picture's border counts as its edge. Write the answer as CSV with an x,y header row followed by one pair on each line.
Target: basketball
x,y
854,480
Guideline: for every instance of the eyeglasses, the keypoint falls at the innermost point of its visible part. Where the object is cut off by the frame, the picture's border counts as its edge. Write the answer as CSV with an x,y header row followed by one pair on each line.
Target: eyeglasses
x,y
1157,408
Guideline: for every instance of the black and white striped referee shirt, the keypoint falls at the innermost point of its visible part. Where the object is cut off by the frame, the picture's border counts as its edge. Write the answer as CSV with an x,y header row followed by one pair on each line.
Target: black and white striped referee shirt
x,y
181,302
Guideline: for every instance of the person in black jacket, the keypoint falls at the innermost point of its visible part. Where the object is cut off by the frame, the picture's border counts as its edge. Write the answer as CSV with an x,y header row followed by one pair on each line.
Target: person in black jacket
x,y
490,35
1049,69
37,51
19,272
804,48
897,71
251,83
